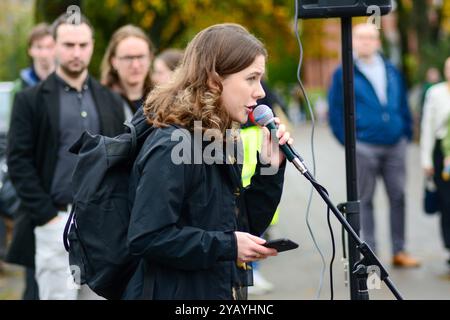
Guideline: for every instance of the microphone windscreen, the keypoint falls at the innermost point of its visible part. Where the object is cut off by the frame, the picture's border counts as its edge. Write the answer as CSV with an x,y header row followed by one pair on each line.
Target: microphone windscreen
x,y
251,117
262,115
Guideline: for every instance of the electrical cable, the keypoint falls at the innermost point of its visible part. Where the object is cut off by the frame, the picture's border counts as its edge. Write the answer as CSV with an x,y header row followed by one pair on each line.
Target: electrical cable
x,y
308,209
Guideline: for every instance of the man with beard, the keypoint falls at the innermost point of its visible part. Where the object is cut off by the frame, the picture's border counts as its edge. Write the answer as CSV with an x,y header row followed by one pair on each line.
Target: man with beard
x,y
46,120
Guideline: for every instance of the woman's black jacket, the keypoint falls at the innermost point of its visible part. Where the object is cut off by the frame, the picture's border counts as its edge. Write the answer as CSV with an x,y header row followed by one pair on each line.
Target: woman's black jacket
x,y
184,216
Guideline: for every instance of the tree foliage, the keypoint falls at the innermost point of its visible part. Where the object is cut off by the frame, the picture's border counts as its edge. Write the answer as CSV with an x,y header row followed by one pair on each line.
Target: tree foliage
x,y
13,29
427,24
173,23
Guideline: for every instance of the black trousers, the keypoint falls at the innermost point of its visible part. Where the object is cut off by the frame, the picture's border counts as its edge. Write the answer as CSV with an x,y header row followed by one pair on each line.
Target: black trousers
x,y
443,188
31,291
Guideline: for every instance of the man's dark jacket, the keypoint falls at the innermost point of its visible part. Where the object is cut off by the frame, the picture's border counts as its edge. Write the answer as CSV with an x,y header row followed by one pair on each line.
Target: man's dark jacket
x,y
32,154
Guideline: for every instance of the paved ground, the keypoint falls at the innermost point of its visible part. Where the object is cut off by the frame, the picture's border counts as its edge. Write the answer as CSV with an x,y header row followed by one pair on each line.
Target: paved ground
x,y
296,274
11,284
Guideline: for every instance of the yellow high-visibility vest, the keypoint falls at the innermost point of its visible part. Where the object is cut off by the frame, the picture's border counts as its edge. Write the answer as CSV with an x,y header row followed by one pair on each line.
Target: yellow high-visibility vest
x,y
251,141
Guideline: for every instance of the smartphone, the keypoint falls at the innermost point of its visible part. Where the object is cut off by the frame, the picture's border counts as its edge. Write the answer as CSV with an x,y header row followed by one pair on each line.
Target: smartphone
x,y
281,244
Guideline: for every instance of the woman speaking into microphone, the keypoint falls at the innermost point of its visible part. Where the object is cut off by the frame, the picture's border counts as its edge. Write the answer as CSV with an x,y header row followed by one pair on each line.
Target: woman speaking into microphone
x,y
192,224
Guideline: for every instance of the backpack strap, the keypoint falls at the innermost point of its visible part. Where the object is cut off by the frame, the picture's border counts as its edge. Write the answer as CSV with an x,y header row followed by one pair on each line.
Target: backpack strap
x,y
133,136
67,229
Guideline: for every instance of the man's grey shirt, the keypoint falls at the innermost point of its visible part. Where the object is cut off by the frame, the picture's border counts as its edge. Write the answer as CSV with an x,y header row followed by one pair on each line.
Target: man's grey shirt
x,y
77,114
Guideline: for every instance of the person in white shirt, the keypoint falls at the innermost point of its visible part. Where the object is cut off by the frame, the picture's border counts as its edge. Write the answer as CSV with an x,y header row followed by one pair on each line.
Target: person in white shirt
x,y
436,115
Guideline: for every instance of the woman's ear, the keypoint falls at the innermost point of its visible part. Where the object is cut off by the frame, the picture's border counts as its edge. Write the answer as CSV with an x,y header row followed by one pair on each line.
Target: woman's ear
x,y
215,82
212,84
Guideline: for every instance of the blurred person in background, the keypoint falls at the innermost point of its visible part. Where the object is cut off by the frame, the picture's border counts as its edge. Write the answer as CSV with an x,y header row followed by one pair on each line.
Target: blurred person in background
x,y
432,77
165,64
435,147
41,50
46,121
126,66
383,130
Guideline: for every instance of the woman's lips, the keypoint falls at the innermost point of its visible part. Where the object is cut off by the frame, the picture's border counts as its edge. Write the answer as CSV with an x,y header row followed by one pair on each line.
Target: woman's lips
x,y
250,109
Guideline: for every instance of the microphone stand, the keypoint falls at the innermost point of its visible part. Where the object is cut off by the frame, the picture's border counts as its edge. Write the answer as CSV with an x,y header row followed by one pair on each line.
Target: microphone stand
x,y
361,267
351,207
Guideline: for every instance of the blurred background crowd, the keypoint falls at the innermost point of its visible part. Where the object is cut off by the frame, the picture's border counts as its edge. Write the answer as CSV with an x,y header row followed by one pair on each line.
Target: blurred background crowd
x,y
415,39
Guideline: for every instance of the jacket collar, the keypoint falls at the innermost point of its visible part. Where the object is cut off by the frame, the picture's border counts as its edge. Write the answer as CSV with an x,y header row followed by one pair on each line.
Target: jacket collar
x,y
29,76
50,88
51,102
390,78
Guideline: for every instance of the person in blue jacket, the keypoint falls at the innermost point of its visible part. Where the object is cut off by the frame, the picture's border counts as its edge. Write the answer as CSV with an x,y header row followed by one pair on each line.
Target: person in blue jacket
x,y
383,130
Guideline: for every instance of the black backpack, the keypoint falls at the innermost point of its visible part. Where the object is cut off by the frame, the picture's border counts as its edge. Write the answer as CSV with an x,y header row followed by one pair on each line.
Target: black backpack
x,y
9,201
96,232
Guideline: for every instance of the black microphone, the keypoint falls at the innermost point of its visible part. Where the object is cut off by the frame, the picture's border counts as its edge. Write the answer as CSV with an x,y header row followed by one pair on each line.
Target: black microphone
x,y
263,116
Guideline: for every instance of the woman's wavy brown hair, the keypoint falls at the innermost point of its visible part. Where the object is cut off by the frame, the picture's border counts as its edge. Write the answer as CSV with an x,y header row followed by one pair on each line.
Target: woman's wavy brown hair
x,y
194,92
109,76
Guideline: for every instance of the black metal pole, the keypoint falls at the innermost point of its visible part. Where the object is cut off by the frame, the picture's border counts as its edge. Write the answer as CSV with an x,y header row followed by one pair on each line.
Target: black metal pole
x,y
370,259
350,142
